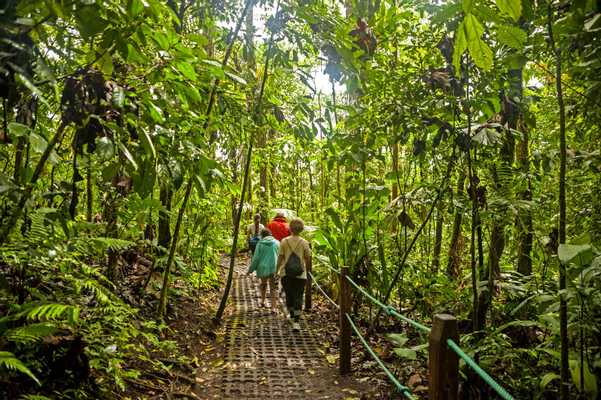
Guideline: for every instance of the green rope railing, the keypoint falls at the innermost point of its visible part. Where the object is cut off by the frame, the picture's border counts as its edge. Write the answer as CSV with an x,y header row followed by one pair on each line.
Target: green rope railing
x,y
389,309
479,371
452,345
403,389
323,291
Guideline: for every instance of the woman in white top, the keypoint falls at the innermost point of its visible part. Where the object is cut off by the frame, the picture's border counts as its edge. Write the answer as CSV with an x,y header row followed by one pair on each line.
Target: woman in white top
x,y
294,253
253,232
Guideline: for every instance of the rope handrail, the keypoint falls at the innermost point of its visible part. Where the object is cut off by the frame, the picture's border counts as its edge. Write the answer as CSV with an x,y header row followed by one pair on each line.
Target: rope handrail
x,y
389,309
322,291
403,389
452,345
478,370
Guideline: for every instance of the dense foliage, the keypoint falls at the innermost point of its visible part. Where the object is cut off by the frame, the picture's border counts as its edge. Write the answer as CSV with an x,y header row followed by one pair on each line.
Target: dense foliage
x,y
448,153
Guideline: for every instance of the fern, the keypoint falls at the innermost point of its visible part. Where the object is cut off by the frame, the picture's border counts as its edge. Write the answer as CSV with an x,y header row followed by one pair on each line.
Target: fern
x,y
113,243
10,362
34,397
52,311
42,228
30,333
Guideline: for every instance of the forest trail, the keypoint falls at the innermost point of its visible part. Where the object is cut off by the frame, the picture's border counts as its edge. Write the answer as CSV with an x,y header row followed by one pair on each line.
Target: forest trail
x,y
265,358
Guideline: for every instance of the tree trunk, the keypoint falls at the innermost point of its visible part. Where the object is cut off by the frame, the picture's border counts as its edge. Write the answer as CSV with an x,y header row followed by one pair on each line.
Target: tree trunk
x,y
165,196
437,240
524,225
564,392
456,244
89,193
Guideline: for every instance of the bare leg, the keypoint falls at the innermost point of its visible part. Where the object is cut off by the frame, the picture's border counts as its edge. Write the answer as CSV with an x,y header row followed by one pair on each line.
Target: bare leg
x,y
263,290
272,293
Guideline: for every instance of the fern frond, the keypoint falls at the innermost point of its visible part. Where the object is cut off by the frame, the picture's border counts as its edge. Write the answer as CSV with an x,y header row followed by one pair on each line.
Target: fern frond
x,y
51,311
101,294
10,362
30,333
34,397
113,243
42,228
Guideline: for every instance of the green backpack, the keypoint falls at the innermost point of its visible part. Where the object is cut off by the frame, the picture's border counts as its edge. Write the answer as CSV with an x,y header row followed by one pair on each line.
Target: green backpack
x,y
293,266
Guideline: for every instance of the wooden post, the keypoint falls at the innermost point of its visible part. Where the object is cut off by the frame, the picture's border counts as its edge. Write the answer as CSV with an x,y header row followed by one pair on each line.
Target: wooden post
x,y
345,326
443,362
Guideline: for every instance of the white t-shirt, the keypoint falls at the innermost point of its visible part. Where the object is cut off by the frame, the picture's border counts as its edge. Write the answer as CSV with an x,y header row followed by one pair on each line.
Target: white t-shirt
x,y
251,229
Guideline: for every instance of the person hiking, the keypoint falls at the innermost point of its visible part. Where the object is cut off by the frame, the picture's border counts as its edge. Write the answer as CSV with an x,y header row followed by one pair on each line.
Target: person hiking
x,y
279,226
294,261
264,264
253,232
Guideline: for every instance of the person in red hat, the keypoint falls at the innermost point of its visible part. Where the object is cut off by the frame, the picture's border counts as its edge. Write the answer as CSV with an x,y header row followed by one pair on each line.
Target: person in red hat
x,y
279,227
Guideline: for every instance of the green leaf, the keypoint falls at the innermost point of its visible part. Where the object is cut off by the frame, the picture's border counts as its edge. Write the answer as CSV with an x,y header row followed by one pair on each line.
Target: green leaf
x,y
236,78
487,137
17,130
446,12
546,379
161,39
460,46
481,53
128,155
33,88
38,143
467,6
104,148
513,8
511,36
407,354
135,7
593,24
9,361
133,55
106,64
578,254
147,143
590,381
186,69
89,22
155,113
397,339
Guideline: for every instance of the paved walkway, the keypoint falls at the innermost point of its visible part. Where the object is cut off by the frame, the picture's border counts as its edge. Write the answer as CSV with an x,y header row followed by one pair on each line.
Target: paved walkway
x,y
264,358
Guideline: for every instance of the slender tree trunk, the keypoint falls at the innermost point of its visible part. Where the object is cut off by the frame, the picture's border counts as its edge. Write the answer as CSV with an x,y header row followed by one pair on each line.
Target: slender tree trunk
x,y
437,240
89,193
524,220
163,300
564,392
258,111
165,197
454,261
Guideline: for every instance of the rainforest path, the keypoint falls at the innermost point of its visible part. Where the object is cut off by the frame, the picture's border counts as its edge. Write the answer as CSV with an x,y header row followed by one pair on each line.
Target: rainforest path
x,y
264,358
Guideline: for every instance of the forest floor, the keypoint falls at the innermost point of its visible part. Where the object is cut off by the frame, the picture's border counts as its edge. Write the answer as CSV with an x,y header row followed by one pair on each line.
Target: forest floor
x,y
255,355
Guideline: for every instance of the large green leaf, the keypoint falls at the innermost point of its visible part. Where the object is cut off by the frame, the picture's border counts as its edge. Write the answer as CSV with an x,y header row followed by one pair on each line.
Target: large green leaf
x,y
513,8
460,46
16,129
579,254
479,50
511,36
590,380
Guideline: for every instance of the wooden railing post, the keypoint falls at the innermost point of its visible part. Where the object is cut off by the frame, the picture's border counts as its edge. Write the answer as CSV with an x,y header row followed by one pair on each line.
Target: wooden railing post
x,y
345,326
443,362
309,289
